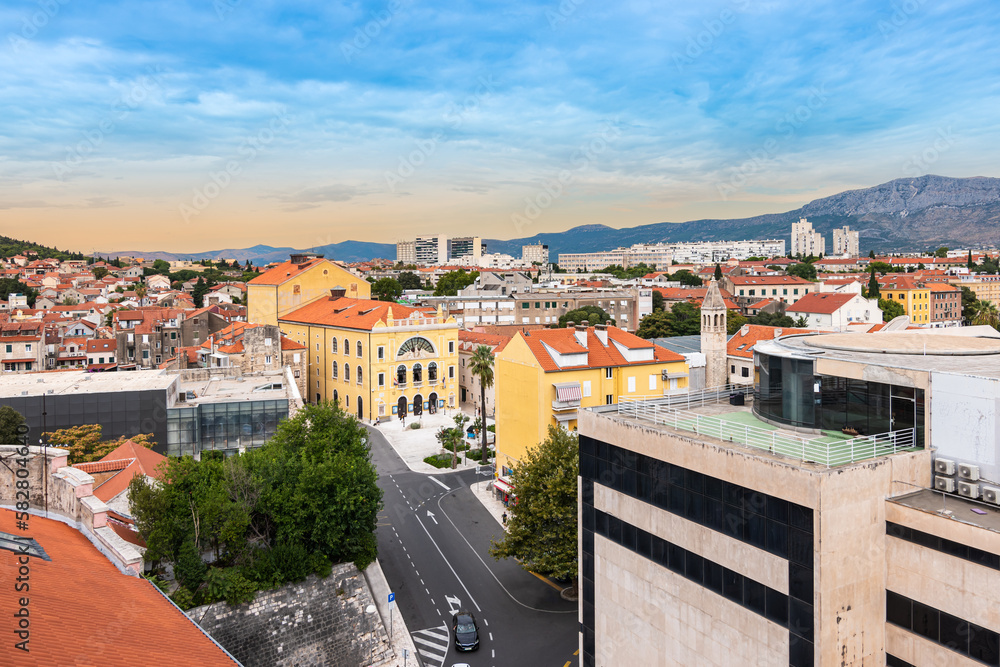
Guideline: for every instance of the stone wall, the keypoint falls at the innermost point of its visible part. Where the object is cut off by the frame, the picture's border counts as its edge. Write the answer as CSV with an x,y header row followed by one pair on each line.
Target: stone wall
x,y
313,622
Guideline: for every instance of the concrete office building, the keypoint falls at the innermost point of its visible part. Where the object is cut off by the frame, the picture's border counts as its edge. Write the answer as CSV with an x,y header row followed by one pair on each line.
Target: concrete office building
x,y
406,252
440,249
535,253
803,529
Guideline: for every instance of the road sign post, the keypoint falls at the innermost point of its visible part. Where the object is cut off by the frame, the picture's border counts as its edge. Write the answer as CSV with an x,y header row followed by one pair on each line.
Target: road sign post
x,y
392,603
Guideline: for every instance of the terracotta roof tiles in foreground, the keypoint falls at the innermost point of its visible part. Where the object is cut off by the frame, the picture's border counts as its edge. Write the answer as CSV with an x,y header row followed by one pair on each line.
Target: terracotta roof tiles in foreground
x,y
599,355
349,313
83,611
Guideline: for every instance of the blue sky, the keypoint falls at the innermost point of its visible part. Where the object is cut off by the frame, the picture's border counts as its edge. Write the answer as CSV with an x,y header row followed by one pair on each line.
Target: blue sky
x,y
224,123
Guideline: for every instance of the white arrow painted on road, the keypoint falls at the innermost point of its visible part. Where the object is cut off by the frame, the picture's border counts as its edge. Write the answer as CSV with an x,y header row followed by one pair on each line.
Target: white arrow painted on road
x,y
431,515
454,604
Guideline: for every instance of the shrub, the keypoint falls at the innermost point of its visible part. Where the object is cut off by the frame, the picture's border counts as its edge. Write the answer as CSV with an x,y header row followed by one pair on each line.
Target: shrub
x,y
239,589
183,598
414,426
439,460
190,569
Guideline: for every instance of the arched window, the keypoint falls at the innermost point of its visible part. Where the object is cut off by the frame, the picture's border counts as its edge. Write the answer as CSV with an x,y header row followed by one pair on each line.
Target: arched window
x,y
347,372
432,372
401,374
333,344
418,373
334,370
414,346
347,346
360,375
360,353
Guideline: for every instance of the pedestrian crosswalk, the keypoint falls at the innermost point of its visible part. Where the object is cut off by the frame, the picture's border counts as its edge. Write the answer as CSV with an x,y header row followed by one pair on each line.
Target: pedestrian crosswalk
x,y
433,645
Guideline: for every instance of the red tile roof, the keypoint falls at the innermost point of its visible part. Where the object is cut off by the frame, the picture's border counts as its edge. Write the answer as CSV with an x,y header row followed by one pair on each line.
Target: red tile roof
x,y
131,460
598,354
824,303
741,343
472,339
362,314
768,280
80,582
285,271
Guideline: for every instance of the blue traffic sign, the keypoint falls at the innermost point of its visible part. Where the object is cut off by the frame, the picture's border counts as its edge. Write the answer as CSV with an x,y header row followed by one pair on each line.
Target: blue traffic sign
x,y
392,597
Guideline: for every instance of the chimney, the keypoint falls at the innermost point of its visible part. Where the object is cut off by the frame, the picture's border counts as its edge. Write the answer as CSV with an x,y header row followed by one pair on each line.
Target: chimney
x,y
580,333
337,292
571,324
745,329
601,331
777,333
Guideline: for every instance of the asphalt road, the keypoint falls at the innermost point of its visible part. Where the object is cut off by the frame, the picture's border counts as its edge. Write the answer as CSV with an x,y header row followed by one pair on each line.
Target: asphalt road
x,y
433,541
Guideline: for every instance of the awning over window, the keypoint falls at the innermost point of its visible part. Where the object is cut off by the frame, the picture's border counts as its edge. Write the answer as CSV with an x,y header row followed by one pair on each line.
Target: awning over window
x,y
502,486
568,391
674,376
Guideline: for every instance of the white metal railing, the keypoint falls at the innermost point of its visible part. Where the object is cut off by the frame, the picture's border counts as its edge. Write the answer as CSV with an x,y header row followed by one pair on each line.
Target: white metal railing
x,y
693,399
817,449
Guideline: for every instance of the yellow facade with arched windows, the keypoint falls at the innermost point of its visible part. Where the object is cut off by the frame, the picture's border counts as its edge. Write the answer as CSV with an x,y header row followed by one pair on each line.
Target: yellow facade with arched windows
x,y
390,361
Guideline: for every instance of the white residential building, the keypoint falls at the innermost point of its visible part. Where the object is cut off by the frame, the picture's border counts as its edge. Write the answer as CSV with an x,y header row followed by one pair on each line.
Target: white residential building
x,y
845,242
662,255
805,241
835,310
535,253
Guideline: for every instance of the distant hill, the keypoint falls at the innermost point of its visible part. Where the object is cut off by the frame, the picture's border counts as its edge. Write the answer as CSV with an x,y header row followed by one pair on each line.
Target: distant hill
x,y
10,247
907,214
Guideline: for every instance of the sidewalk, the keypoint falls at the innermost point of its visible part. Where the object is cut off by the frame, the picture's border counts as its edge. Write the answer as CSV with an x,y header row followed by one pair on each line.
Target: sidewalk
x,y
414,445
483,491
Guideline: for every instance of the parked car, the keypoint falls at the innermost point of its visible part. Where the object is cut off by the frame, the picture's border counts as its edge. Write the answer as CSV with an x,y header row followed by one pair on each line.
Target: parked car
x,y
466,630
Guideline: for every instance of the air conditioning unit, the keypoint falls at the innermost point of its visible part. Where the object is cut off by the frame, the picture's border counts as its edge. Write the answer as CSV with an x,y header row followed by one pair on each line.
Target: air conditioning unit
x,y
968,471
968,490
944,466
946,484
991,494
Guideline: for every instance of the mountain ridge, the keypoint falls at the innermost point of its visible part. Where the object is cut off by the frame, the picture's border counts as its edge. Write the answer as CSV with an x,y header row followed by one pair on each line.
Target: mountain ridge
x,y
905,214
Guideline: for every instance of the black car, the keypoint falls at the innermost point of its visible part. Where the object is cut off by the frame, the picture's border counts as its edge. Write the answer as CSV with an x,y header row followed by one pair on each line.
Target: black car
x,y
466,630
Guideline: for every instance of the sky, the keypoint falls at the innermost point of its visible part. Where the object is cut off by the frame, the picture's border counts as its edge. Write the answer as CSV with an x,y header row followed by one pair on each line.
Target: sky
x,y
198,125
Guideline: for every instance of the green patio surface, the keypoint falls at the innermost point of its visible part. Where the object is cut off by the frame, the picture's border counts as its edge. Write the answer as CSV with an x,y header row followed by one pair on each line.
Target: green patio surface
x,y
830,448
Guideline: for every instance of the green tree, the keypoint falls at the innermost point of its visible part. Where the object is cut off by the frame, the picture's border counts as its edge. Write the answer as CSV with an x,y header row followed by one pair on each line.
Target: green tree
x,y
161,266
658,300
734,321
11,423
941,252
481,366
873,286
772,320
871,254
140,294
718,272
592,314
890,309
100,272
200,289
542,529
683,319
968,304
687,278
880,267
409,280
451,282
453,437
804,270
387,289
10,286
986,313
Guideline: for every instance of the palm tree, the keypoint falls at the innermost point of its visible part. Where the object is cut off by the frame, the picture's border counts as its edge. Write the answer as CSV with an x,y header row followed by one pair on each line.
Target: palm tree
x,y
481,366
140,293
986,313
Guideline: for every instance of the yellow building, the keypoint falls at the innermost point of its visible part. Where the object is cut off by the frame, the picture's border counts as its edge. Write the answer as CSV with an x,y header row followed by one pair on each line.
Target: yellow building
x,y
985,287
376,358
914,296
544,377
301,280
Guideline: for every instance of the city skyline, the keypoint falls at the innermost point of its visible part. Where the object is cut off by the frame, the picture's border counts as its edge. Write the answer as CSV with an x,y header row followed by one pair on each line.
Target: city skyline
x,y
163,127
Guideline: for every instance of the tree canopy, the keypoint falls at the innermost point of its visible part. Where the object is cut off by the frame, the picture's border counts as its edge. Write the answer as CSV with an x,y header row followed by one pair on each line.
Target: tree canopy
x,y
387,289
451,282
541,532
307,498
481,366
804,270
687,278
10,286
637,271
734,321
684,319
409,280
890,309
592,314
11,422
85,442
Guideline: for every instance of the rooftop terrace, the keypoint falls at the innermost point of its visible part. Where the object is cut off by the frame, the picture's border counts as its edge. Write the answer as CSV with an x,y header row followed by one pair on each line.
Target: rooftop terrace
x,y
709,414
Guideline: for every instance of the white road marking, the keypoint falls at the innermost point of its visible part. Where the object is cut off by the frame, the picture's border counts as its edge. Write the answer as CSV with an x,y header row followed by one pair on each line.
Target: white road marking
x,y
433,644
491,636
446,562
440,483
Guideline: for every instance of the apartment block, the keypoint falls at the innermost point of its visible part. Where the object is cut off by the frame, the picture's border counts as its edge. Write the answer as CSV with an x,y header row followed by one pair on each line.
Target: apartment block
x,y
538,252
805,241
846,243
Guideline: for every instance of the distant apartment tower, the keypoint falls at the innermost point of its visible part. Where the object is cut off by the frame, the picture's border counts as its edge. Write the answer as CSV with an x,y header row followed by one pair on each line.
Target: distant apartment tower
x,y
406,252
535,253
805,241
431,249
845,242
465,247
